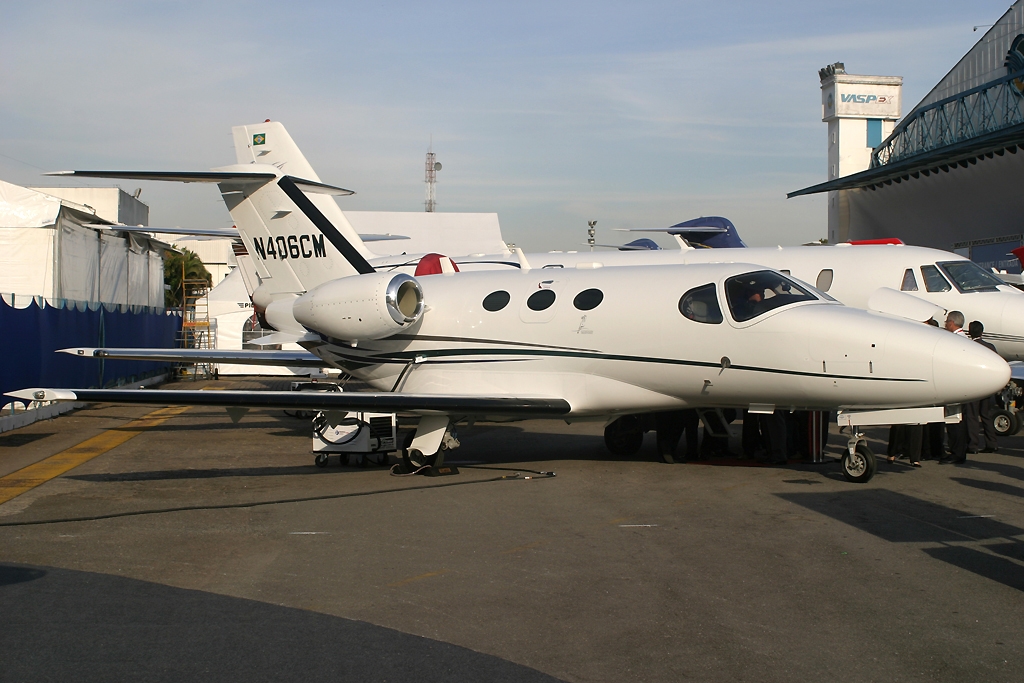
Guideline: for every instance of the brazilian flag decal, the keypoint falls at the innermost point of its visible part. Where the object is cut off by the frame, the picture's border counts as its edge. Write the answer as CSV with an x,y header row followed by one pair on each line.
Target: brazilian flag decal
x,y
259,139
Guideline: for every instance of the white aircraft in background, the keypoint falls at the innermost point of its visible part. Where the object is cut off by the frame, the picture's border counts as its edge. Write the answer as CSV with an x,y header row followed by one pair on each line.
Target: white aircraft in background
x,y
579,343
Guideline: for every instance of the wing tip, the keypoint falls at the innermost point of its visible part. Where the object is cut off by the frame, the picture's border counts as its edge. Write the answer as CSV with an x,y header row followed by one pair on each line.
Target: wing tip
x,y
40,394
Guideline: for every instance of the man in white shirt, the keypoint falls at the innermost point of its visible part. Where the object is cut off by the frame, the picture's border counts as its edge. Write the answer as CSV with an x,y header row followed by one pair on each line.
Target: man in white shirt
x,y
956,433
955,323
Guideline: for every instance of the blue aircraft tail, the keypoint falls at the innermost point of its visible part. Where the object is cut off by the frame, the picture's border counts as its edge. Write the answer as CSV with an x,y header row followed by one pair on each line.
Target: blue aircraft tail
x,y
715,232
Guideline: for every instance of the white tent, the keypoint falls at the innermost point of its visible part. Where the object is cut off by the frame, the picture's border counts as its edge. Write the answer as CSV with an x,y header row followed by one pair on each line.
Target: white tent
x,y
48,249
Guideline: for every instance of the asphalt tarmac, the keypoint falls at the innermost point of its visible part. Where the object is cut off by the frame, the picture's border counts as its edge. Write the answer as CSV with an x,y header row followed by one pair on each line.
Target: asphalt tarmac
x,y
203,550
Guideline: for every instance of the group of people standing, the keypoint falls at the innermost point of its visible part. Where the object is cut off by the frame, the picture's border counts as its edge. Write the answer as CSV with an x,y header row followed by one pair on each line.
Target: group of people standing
x,y
973,434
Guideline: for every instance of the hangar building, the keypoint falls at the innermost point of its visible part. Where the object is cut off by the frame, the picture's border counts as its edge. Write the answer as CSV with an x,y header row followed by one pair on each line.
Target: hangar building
x,y
949,174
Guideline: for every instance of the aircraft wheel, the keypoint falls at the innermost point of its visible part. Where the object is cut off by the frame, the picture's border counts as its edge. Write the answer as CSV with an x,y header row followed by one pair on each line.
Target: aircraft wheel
x,y
320,460
414,458
1005,423
860,466
624,436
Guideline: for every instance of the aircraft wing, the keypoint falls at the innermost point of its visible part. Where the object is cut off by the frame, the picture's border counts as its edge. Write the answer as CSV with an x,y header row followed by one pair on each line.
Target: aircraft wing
x,y
518,406
291,359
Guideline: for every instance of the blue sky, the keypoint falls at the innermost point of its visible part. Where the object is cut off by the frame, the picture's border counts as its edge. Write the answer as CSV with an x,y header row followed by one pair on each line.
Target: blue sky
x,y
551,114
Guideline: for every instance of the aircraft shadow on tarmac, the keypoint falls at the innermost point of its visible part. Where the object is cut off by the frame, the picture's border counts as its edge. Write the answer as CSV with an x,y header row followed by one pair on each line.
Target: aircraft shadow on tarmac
x,y
79,626
899,518
209,473
995,486
1011,471
18,440
288,426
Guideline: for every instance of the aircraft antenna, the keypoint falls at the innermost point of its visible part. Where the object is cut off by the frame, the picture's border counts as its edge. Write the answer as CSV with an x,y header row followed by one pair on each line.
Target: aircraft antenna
x,y
431,167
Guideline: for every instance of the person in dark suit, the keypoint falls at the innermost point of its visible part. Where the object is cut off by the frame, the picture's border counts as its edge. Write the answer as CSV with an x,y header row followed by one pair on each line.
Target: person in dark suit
x,y
979,413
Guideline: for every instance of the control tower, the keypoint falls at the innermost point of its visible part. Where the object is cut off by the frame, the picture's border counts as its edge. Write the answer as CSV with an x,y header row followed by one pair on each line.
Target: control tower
x,y
860,111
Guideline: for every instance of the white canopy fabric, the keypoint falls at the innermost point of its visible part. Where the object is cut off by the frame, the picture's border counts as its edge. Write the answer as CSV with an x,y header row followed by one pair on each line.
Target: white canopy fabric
x,y
46,251
21,207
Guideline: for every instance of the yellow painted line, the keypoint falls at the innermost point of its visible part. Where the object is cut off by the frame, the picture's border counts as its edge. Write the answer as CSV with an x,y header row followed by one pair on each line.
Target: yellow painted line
x,y
27,478
417,578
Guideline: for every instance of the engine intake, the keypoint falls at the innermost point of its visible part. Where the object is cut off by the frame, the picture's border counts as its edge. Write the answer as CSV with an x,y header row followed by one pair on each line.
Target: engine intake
x,y
372,306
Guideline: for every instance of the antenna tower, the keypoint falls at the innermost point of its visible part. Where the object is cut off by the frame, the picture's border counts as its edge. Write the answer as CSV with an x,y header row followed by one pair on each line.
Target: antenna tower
x,y
431,167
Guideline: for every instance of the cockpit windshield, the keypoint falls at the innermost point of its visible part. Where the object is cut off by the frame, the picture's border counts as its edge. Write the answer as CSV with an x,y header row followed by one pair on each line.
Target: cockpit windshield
x,y
753,294
969,276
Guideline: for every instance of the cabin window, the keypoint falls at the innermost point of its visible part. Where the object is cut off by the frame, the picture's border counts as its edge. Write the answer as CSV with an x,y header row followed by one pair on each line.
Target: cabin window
x,y
909,281
753,294
970,277
541,300
588,299
701,305
933,280
495,301
824,280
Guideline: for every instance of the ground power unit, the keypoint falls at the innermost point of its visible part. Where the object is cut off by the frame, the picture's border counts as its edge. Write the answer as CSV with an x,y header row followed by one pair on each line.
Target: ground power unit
x,y
369,437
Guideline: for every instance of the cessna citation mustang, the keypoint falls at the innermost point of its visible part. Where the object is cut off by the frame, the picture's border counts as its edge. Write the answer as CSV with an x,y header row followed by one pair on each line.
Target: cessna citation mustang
x,y
583,343
916,283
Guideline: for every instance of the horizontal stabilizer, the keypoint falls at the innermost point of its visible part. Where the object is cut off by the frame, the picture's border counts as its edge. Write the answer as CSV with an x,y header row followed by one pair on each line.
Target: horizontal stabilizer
x,y
382,402
173,176
376,237
290,359
283,338
260,177
198,232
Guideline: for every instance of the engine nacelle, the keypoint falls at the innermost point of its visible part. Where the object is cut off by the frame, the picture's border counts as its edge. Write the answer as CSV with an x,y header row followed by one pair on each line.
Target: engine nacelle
x,y
372,306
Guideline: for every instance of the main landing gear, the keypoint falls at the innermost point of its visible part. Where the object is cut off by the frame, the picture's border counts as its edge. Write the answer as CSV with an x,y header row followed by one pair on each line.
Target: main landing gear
x,y
424,452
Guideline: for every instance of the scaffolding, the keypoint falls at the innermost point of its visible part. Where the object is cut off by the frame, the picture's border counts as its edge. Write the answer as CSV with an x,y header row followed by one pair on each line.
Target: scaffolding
x,y
195,326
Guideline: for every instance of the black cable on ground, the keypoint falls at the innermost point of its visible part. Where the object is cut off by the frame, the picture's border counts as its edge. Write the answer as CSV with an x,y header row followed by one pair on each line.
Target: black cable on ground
x,y
539,473
230,506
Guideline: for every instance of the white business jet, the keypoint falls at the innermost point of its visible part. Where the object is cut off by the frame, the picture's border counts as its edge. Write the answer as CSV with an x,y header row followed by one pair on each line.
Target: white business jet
x,y
912,282
580,343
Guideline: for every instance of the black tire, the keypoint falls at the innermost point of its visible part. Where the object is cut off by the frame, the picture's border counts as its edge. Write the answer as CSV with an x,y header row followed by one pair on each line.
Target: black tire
x,y
320,460
414,459
625,436
1005,423
860,467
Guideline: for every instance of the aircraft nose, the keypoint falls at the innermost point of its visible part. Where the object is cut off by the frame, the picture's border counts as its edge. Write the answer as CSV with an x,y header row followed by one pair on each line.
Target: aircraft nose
x,y
966,371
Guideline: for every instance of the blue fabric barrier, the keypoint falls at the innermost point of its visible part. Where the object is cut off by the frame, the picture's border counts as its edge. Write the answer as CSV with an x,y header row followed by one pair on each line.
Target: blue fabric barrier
x,y
30,336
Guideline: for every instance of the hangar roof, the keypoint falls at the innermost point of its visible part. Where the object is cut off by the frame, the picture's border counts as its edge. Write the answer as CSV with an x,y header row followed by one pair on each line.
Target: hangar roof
x,y
975,111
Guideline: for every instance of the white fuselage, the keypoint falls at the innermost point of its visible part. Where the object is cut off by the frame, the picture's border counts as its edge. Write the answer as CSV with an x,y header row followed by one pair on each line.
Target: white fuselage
x,y
635,351
858,271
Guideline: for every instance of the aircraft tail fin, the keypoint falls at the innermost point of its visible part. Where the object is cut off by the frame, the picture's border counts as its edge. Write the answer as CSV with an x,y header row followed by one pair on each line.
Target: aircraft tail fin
x,y
288,235
269,143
